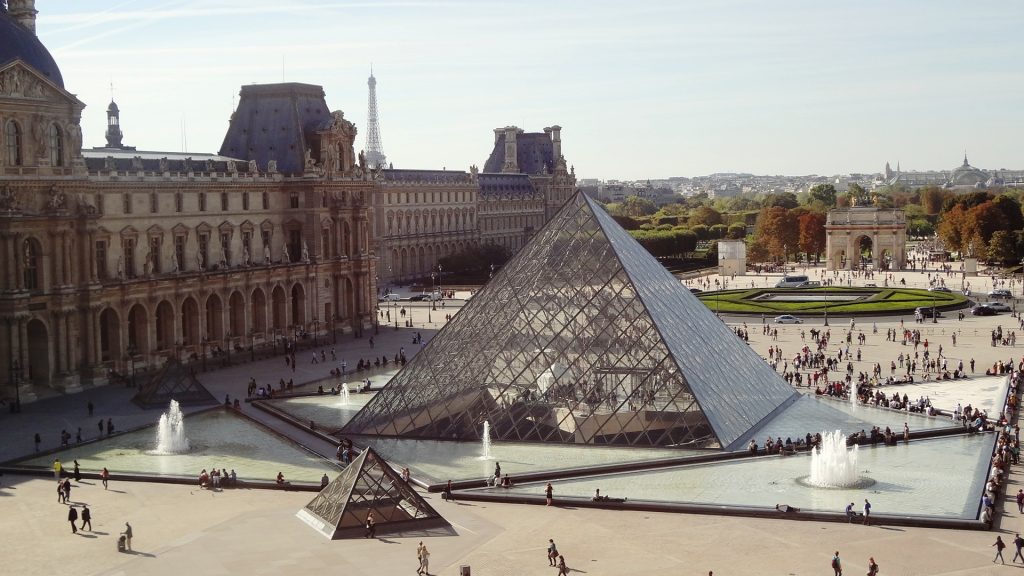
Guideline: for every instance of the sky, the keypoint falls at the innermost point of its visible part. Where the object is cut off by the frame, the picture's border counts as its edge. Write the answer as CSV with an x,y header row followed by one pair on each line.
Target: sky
x,y
642,89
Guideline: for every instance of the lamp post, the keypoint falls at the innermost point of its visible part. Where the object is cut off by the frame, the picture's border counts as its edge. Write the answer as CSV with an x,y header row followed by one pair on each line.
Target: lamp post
x,y
205,342
440,290
433,305
252,345
334,332
227,342
16,381
273,335
935,319
316,328
826,305
131,359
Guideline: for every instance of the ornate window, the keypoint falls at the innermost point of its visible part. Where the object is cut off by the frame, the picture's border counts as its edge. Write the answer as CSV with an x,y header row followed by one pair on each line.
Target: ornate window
x,y
12,135
154,252
126,201
266,201
154,203
245,200
56,146
202,201
224,201
293,200
128,246
179,250
179,202
101,259
31,270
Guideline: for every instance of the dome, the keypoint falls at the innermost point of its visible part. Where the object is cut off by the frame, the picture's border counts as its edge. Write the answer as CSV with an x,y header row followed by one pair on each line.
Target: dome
x,y
967,175
16,41
112,107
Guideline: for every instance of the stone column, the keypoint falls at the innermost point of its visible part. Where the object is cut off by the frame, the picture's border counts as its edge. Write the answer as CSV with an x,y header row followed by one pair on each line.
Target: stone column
x,y
90,256
19,278
69,261
57,337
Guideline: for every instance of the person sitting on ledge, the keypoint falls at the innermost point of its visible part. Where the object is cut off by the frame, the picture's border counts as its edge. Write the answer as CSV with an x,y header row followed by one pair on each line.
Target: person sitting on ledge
x,y
599,498
320,389
280,479
204,479
506,482
786,508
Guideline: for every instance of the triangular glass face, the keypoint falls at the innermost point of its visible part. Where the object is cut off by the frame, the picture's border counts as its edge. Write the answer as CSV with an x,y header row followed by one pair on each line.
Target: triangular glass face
x,y
582,338
367,486
173,382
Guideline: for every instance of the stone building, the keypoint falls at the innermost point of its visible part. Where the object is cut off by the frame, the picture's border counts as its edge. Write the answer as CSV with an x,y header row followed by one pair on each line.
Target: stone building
x,y
116,259
423,215
854,235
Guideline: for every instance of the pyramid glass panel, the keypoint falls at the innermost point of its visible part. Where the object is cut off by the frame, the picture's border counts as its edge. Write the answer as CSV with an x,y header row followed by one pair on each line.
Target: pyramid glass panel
x,y
173,382
582,338
368,485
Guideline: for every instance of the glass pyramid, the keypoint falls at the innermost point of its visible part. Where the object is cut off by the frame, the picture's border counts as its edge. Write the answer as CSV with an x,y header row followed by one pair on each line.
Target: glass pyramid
x,y
582,338
173,382
367,485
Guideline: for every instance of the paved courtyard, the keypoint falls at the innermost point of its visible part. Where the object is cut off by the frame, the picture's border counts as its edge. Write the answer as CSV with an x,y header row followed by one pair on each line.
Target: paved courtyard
x,y
180,529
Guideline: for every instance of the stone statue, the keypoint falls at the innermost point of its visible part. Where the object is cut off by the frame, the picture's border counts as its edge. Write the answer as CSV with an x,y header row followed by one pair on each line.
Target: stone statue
x,y
199,261
147,266
362,160
266,254
305,253
245,256
309,163
232,168
108,164
287,257
174,264
57,199
120,267
188,164
74,138
137,163
209,166
330,159
9,199
272,166
165,165
39,135
253,168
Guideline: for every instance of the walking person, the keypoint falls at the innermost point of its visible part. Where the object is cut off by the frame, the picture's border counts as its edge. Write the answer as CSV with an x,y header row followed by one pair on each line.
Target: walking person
x,y
78,472
872,567
1020,501
371,526
127,536
57,469
424,556
60,493
38,440
552,552
563,570
67,489
837,564
867,512
999,549
86,518
72,518
104,476
547,493
1018,543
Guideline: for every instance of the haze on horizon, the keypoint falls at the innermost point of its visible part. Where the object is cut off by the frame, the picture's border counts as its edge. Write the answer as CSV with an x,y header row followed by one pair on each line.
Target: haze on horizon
x,y
646,89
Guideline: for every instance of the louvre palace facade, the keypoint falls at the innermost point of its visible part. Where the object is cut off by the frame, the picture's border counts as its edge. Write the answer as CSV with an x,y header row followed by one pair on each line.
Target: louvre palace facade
x,y
117,259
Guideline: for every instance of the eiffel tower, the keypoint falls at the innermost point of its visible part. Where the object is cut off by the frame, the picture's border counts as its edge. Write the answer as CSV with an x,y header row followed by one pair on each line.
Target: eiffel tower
x,y
374,149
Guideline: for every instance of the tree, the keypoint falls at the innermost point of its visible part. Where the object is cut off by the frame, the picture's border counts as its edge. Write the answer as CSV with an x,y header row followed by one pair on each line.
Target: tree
x,y
475,259
920,228
737,231
932,199
785,200
951,226
1002,247
635,207
701,231
705,215
981,222
777,231
719,231
824,193
1010,208
812,234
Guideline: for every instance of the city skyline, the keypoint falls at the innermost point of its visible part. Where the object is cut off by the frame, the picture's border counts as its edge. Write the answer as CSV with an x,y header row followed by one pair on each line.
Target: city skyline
x,y
652,90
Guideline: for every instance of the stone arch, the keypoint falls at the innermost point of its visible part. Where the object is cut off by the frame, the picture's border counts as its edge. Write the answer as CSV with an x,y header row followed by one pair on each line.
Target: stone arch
x,y
258,304
886,228
279,320
214,317
38,370
421,264
110,335
138,329
236,314
298,304
164,325
190,322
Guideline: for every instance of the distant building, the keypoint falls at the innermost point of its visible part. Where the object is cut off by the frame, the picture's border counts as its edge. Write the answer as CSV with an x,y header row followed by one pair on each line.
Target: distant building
x,y
963,177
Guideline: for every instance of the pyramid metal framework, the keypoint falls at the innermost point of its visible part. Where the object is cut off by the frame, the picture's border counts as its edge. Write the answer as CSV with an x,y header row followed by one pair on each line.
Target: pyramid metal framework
x,y
367,485
582,338
173,382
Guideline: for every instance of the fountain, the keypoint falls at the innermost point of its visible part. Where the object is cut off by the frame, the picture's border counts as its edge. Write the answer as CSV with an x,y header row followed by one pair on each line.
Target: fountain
x,y
170,433
345,395
833,465
485,447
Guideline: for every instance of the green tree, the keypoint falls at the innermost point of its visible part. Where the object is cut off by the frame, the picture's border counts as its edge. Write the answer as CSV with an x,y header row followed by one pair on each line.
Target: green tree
x,y
701,231
1002,247
920,227
785,200
719,231
635,207
932,199
823,193
737,231
705,215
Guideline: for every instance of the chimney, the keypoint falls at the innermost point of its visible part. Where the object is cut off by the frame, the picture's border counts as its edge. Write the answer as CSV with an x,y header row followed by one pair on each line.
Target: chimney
x,y
556,141
24,12
511,150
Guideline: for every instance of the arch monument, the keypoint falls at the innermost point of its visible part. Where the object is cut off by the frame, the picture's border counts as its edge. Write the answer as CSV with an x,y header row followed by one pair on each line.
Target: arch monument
x,y
854,235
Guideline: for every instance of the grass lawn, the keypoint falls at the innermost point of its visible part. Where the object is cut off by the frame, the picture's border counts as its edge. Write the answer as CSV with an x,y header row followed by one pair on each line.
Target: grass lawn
x,y
871,301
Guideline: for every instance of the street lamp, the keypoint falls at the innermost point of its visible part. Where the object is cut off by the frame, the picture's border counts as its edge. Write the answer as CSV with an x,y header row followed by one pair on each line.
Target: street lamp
x,y
205,342
316,328
227,341
252,345
826,305
273,335
16,381
935,319
131,358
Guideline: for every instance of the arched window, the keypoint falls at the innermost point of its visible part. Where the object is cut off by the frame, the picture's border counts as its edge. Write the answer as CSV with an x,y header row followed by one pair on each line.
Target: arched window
x,y
12,135
56,146
31,251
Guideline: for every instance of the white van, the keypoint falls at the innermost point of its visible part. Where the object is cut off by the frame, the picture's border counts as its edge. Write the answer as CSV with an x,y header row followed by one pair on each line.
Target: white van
x,y
392,297
793,281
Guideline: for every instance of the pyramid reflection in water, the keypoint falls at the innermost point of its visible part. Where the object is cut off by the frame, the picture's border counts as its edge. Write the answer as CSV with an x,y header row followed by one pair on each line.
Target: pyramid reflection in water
x,y
582,338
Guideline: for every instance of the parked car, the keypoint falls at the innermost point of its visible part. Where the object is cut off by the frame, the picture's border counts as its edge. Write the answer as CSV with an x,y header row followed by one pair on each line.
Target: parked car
x,y
788,319
695,290
926,312
939,289
983,311
392,297
998,306
1000,293
419,297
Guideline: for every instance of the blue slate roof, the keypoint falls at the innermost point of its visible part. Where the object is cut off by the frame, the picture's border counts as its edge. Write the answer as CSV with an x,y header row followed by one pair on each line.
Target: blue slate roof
x,y
506,184
276,122
534,153
16,41
435,176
